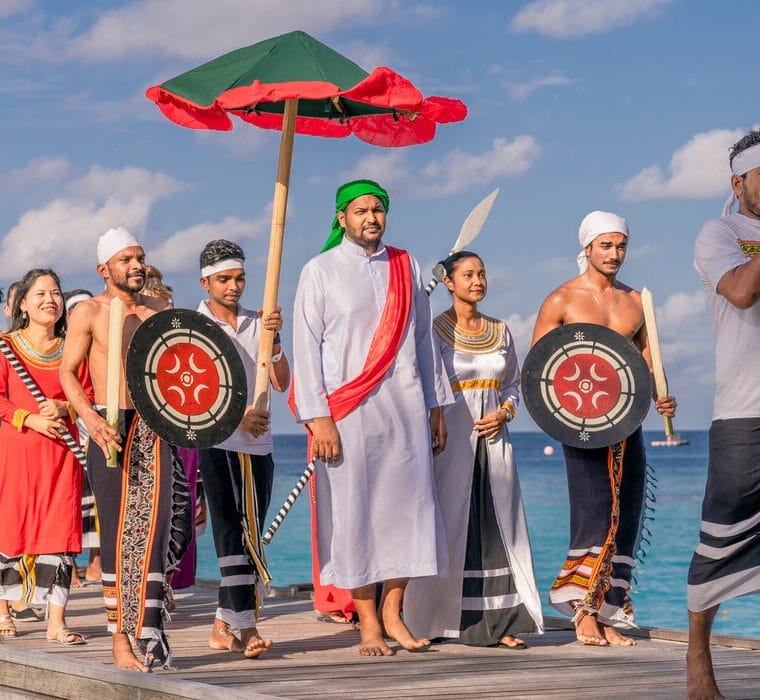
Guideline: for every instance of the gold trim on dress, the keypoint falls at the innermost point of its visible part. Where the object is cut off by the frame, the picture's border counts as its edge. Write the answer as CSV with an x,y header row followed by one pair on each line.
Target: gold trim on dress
x,y
470,384
19,416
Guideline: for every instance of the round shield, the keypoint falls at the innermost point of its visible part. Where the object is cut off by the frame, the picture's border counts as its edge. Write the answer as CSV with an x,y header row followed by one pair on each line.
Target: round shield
x,y
186,378
586,385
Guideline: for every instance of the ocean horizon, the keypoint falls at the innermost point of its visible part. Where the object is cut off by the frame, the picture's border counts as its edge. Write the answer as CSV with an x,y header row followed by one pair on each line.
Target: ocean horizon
x,y
659,590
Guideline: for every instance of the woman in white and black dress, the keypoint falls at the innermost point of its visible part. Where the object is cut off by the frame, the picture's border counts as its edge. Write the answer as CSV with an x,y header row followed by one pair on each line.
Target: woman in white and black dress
x,y
489,596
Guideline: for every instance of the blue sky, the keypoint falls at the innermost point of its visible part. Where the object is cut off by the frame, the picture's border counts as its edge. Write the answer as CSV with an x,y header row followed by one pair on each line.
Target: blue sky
x,y
574,105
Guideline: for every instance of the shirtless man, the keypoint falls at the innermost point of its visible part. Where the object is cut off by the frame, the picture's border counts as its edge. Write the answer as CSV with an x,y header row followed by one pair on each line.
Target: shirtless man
x,y
133,560
599,601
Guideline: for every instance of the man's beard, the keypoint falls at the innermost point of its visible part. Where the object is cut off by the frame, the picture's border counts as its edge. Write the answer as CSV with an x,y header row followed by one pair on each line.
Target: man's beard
x,y
124,286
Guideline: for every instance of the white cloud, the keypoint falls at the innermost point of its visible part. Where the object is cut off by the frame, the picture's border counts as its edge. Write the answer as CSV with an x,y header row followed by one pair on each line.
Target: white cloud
x,y
459,171
63,233
698,170
179,252
520,91
390,167
198,29
36,171
573,18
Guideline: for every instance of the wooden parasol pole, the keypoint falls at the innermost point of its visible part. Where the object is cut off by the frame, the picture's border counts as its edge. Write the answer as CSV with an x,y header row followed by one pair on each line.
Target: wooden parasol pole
x,y
272,280
660,381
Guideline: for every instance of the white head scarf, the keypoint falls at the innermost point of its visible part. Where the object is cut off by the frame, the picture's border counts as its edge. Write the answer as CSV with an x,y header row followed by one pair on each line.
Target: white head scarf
x,y
747,160
594,225
114,240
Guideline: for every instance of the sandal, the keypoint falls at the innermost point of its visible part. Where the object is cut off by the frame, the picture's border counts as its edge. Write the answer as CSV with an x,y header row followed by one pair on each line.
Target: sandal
x,y
67,638
7,628
26,615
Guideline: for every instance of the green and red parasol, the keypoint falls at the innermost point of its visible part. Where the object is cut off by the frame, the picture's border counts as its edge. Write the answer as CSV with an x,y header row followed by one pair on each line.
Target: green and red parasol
x,y
295,84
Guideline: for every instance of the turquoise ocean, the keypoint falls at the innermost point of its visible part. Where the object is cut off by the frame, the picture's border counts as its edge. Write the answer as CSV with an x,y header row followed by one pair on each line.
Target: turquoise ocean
x,y
659,595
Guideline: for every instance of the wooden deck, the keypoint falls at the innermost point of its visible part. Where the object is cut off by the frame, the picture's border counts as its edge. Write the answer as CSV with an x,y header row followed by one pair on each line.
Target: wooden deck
x,y
313,659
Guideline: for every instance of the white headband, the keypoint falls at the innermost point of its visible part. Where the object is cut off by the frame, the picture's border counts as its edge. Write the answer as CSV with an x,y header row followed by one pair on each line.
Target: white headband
x,y
221,266
747,160
114,240
71,301
594,225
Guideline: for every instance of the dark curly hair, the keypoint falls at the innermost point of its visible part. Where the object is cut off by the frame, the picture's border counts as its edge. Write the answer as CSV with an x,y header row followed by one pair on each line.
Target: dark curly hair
x,y
215,251
750,139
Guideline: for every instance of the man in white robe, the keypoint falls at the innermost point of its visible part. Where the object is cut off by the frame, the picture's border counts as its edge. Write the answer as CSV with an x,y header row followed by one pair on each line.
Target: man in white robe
x,y
369,385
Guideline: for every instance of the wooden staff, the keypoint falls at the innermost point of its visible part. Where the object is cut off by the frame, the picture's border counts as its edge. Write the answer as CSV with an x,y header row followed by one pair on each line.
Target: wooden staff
x,y
113,370
272,281
660,381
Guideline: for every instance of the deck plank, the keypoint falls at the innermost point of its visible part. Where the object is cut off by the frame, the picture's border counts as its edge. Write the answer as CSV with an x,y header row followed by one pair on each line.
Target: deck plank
x,y
312,659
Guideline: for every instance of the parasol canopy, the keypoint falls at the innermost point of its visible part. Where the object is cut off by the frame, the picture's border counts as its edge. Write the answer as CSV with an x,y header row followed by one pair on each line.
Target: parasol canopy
x,y
296,84
336,98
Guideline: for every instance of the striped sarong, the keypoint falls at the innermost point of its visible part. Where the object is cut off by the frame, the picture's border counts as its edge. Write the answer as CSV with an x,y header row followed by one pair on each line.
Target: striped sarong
x,y
608,493
238,488
36,579
726,563
90,530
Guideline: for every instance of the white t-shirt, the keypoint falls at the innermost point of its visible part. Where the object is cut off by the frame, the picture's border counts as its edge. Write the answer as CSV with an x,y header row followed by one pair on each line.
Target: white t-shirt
x,y
246,340
722,245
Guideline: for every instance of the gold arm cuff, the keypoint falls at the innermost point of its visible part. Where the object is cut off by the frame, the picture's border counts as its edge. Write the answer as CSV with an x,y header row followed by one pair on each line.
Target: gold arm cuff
x,y
509,408
19,416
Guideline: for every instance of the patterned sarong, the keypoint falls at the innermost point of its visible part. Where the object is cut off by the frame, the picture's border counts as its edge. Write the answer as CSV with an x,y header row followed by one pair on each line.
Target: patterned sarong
x,y
726,563
608,493
36,579
145,525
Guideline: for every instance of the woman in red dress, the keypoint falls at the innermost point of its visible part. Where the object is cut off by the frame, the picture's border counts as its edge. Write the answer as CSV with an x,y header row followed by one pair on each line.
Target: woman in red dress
x,y
40,478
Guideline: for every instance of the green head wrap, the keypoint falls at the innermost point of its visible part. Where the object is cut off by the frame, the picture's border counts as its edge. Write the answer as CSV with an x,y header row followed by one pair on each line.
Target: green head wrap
x,y
344,196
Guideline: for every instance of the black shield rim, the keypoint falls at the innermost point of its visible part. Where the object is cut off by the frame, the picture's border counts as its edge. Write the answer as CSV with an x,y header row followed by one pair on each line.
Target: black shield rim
x,y
160,332
536,384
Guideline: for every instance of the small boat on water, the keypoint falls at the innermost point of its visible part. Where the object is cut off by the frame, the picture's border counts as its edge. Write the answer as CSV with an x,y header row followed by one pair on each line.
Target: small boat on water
x,y
674,440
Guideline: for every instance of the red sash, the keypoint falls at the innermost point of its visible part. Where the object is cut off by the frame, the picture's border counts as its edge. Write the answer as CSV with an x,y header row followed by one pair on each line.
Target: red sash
x,y
385,343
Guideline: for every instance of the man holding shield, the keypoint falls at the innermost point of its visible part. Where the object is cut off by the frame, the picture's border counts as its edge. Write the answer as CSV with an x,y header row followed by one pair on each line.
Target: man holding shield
x,y
143,503
369,384
726,562
606,485
238,473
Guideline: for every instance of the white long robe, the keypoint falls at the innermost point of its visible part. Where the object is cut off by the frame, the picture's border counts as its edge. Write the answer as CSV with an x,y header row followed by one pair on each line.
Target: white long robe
x,y
433,607
377,513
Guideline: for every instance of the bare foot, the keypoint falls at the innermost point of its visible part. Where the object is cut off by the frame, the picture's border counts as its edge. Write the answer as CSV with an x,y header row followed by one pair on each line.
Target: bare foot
x,y
700,677
372,642
396,629
587,631
255,645
512,642
222,639
76,582
123,656
93,571
615,638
